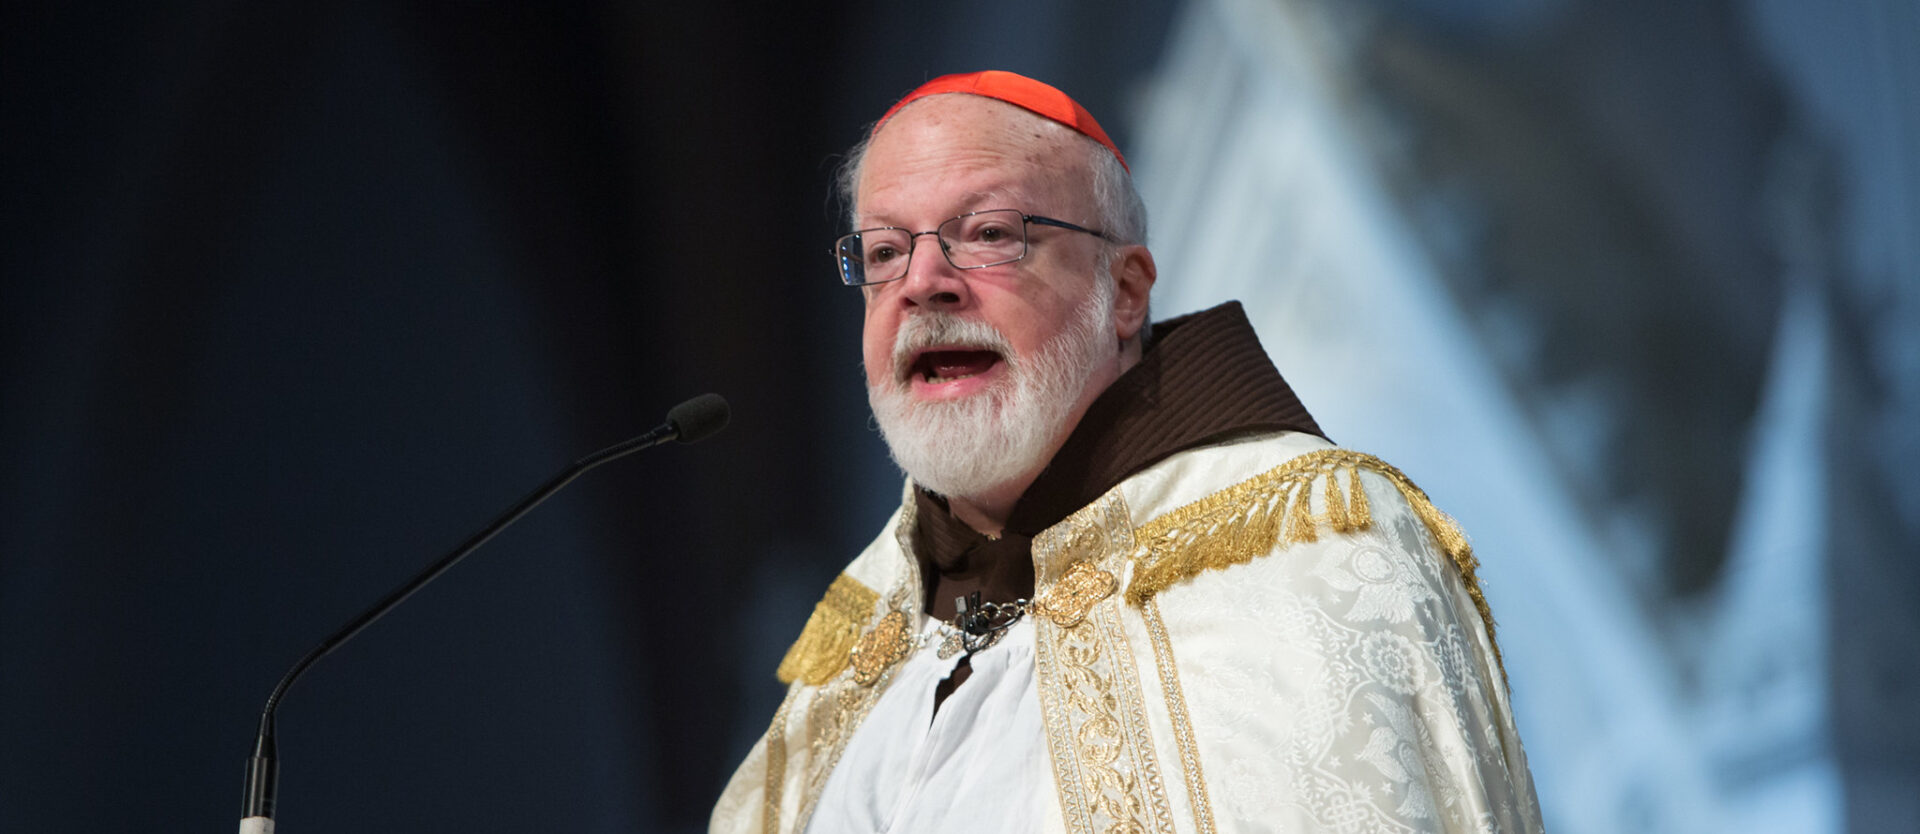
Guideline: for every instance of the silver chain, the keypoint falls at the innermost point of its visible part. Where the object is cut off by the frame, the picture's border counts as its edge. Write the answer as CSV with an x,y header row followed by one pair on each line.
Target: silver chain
x,y
980,624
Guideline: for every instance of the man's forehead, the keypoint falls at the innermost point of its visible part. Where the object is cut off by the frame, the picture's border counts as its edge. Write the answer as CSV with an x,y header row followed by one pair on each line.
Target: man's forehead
x,y
957,117
967,153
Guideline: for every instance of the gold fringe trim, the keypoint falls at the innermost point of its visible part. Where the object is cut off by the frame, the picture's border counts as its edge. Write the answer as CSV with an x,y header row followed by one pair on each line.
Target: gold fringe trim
x,y
1250,518
821,651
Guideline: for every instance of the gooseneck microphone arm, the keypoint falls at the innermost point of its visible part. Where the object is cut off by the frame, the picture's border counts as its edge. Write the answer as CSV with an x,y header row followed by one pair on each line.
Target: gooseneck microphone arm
x,y
687,422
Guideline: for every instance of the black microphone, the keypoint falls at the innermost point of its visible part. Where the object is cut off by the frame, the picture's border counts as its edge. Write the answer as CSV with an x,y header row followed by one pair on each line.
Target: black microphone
x,y
699,418
693,420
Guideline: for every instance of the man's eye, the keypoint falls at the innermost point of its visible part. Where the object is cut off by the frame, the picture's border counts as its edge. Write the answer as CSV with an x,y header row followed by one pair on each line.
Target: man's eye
x,y
881,254
993,233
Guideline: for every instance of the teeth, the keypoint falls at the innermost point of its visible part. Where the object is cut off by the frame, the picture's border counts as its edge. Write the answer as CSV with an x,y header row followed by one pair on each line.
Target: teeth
x,y
937,380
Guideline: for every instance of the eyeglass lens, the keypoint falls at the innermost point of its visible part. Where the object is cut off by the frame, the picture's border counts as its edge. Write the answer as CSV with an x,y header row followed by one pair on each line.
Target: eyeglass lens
x,y
970,241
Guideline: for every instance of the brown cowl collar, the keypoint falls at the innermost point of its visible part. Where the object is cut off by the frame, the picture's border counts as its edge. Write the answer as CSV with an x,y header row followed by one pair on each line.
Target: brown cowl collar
x,y
1206,378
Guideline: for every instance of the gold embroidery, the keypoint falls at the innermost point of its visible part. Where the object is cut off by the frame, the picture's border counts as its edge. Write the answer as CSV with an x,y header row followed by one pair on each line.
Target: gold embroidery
x,y
821,651
1097,728
882,646
1249,519
1127,679
1067,601
1098,737
836,709
776,768
1177,715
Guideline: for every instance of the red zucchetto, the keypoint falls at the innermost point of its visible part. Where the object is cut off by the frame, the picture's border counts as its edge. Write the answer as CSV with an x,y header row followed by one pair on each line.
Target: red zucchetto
x,y
1017,90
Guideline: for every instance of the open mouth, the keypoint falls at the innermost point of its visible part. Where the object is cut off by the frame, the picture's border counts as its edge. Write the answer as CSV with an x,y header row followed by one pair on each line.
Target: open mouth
x,y
935,367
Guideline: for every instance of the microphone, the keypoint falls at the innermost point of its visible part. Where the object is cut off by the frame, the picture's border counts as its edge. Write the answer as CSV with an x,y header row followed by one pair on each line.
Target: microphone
x,y
699,418
691,421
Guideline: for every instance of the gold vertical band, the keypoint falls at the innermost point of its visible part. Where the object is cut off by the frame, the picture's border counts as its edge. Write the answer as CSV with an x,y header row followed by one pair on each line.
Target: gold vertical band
x,y
1177,714
776,769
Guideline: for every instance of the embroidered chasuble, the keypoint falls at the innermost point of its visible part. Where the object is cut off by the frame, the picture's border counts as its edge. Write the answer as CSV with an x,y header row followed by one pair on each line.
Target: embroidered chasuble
x,y
1233,626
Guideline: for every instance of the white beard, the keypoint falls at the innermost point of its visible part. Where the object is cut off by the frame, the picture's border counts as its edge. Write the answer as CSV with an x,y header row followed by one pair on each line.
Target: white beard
x,y
970,446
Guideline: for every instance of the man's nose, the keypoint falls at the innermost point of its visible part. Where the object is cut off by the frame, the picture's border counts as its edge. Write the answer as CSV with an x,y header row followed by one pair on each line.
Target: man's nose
x,y
931,279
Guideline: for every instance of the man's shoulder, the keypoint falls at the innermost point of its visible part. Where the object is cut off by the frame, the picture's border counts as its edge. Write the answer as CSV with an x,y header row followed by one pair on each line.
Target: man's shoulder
x,y
1229,505
1211,508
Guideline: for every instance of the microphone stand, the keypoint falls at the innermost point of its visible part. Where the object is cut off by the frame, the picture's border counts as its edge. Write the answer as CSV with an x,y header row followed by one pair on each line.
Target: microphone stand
x,y
690,421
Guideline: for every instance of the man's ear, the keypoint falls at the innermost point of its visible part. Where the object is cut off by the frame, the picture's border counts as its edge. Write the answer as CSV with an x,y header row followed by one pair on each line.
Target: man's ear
x,y
1133,277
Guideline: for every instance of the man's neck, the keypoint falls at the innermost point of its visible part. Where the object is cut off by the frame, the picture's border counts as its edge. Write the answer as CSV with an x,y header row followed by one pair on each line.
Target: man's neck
x,y
987,514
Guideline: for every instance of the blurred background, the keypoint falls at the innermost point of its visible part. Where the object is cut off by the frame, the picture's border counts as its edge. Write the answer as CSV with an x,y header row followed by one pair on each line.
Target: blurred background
x,y
298,297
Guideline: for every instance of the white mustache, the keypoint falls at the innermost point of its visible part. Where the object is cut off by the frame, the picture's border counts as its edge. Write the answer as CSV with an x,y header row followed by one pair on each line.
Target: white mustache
x,y
930,329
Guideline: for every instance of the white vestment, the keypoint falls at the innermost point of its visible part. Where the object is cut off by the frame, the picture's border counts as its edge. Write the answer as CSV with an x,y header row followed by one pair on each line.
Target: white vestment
x,y
1267,635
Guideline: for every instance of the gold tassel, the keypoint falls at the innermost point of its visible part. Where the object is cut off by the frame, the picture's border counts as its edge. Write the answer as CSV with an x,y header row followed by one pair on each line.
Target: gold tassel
x,y
1337,504
1359,513
1264,528
1300,517
832,629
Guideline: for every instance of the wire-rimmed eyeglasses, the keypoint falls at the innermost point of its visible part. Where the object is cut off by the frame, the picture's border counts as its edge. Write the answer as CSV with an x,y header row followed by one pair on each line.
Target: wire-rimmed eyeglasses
x,y
971,241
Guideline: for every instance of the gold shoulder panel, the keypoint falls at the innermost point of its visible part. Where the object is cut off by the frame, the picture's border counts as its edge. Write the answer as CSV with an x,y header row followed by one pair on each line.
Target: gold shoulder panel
x,y
822,650
1251,518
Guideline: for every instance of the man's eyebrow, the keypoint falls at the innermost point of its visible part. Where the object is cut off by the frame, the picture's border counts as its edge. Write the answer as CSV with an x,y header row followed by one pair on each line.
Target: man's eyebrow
x,y
969,201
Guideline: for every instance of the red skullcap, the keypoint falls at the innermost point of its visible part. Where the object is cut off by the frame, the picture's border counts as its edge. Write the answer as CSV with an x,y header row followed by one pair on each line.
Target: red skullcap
x,y
1017,90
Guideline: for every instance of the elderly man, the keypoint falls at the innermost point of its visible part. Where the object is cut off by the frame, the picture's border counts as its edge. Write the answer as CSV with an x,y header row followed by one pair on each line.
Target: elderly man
x,y
1130,586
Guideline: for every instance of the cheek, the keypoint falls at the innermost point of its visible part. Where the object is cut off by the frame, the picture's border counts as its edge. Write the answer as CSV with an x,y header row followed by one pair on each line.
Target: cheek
x,y
876,350
1035,340
1040,322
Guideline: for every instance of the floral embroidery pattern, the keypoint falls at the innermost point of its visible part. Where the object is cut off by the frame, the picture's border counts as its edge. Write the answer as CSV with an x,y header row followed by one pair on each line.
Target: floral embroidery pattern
x,y
1097,731
1392,660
